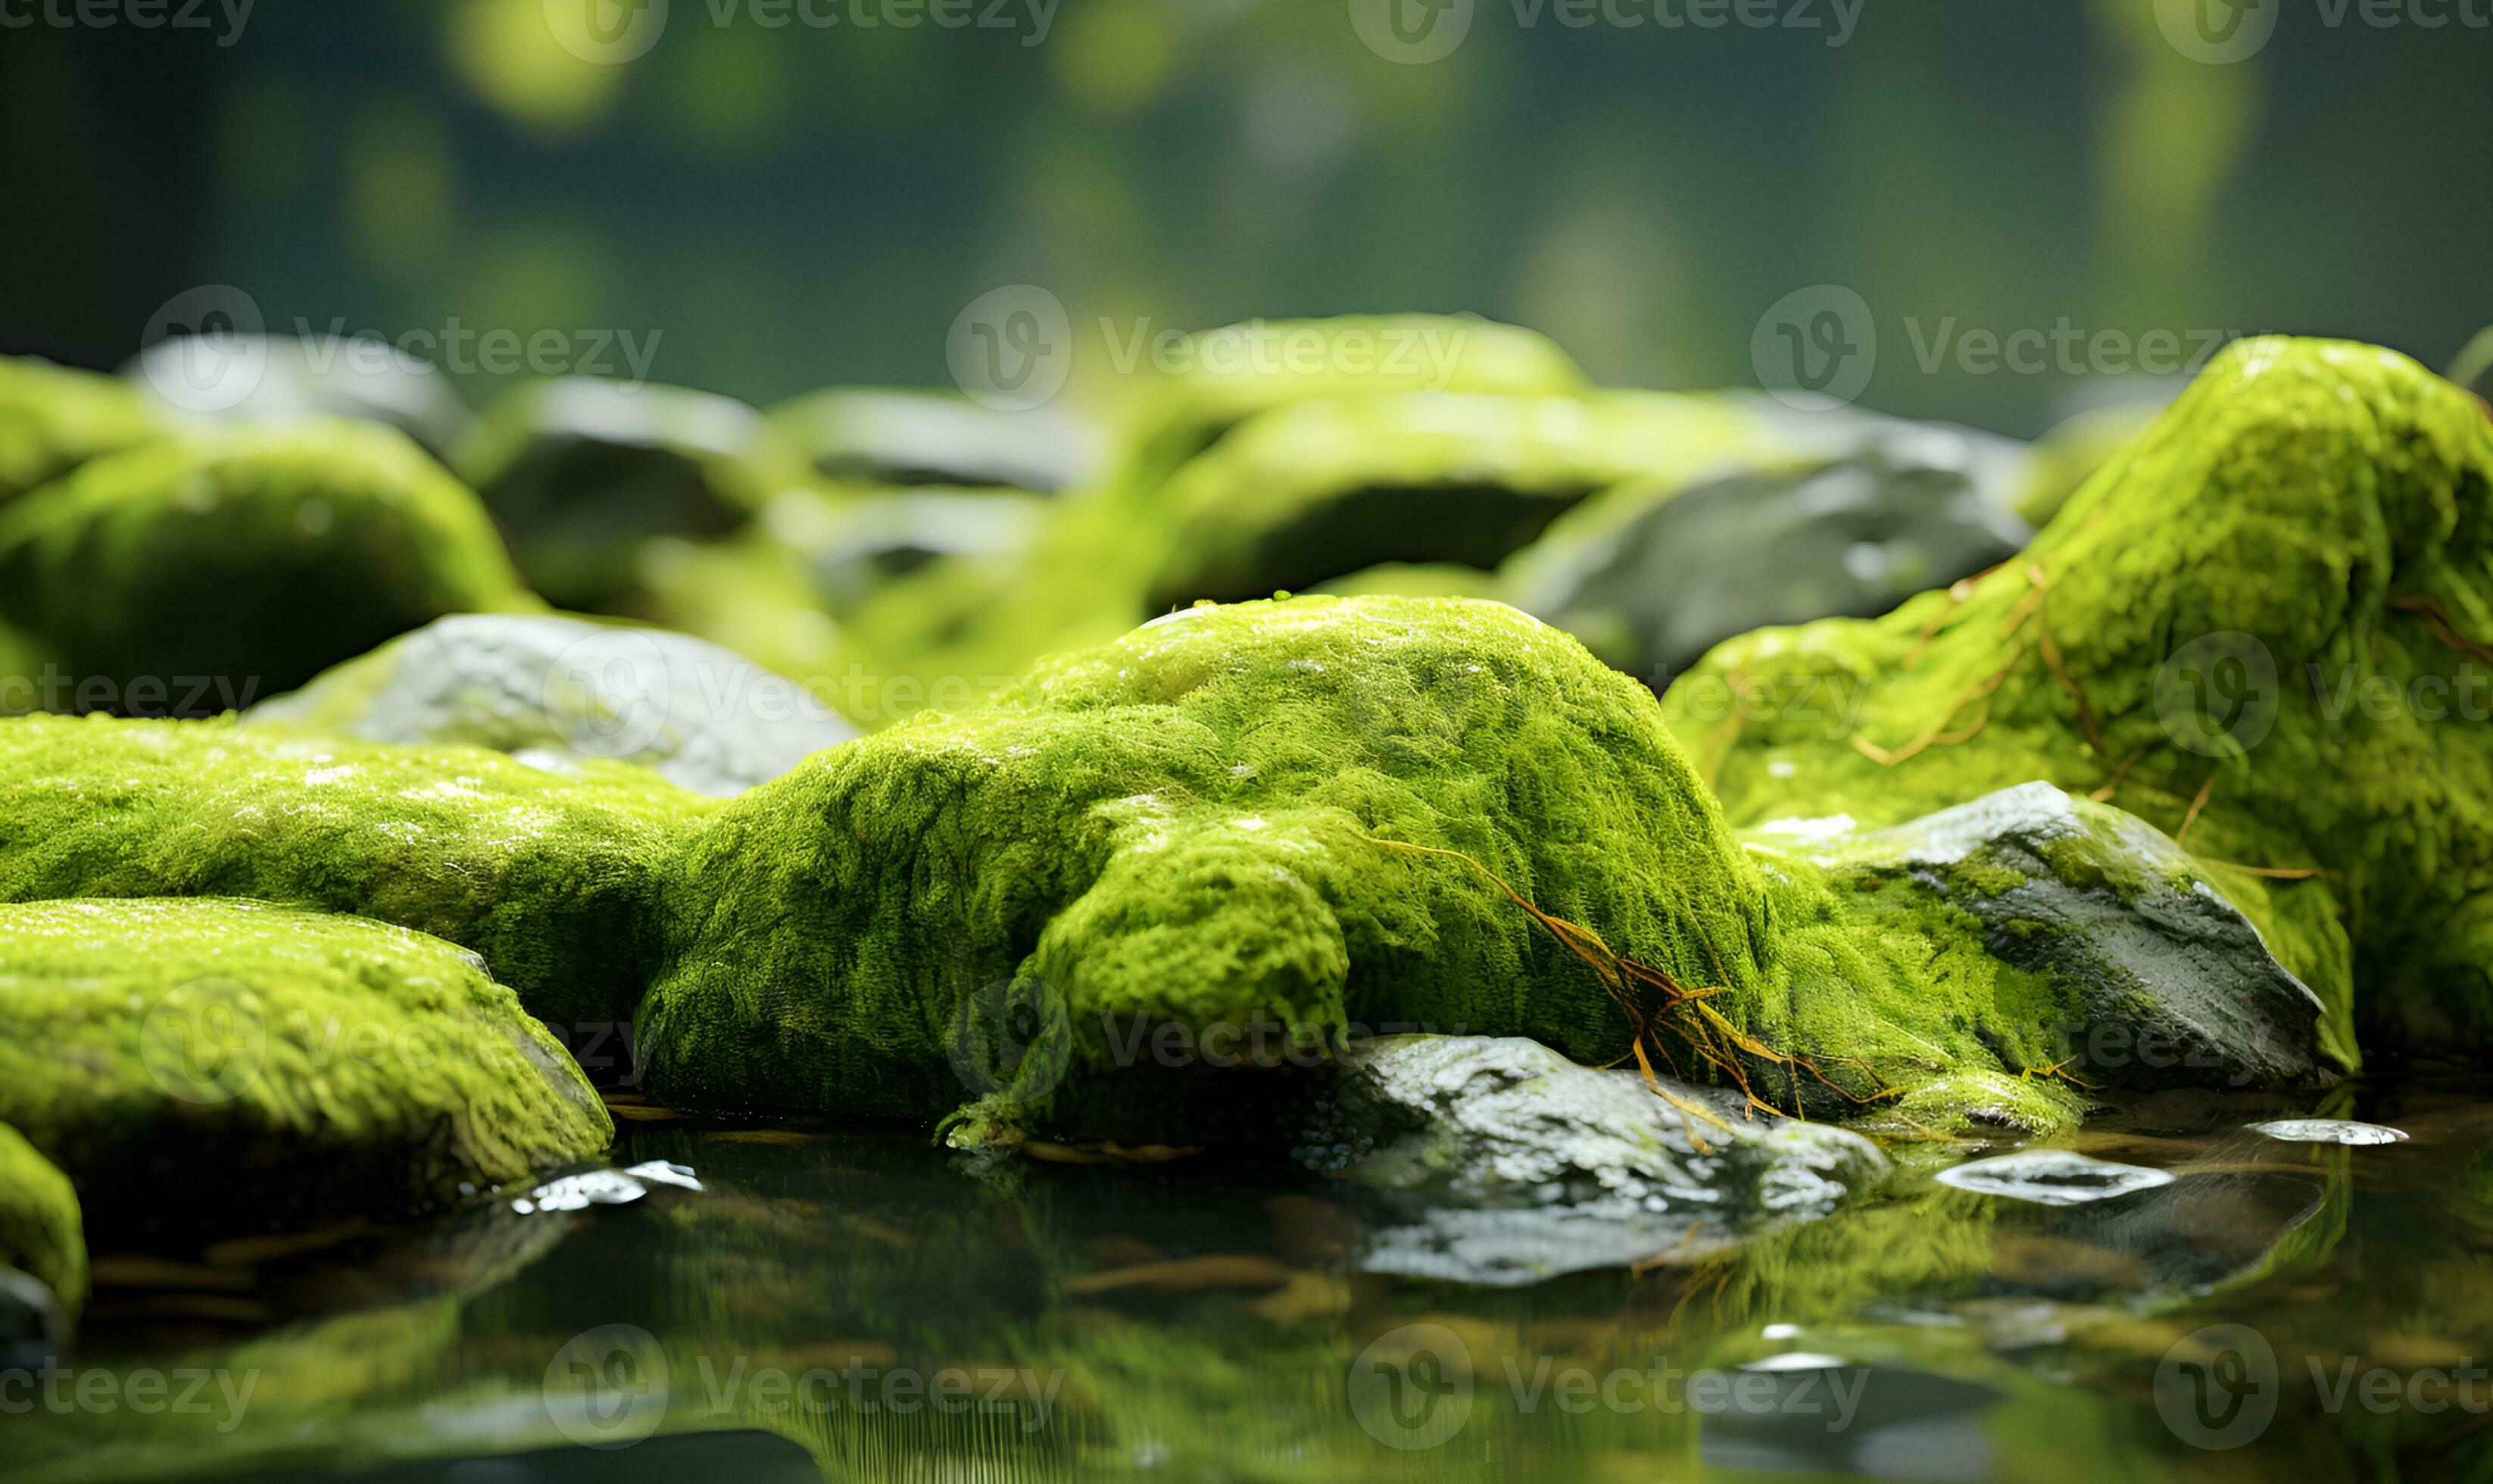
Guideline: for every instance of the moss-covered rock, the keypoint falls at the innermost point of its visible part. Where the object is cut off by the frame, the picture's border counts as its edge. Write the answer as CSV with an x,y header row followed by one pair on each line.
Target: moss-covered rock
x,y
556,691
221,1066
287,378
52,419
854,549
2262,628
581,473
41,1232
551,878
881,437
1325,488
197,573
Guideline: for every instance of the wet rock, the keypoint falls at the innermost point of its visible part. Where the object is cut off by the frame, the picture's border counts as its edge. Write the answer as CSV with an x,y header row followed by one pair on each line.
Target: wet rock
x,y
853,550
53,418
2052,1177
1651,579
283,378
222,1066
581,473
42,1245
912,437
2340,1131
1496,1160
553,690
197,573
605,1187
2159,979
1320,489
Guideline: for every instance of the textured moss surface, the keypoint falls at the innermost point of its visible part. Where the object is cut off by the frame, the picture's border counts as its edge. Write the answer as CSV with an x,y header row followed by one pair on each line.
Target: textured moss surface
x,y
52,419
251,559
1325,488
203,1064
550,876
41,1233
2262,628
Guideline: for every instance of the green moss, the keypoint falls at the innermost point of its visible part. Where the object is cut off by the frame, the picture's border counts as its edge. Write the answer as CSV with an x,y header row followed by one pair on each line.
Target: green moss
x,y
581,473
1324,488
197,572
208,1065
2310,519
551,878
41,1233
52,419
2065,457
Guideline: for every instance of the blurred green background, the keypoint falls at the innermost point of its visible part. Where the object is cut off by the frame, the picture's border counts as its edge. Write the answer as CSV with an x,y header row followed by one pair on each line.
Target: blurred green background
x,y
791,207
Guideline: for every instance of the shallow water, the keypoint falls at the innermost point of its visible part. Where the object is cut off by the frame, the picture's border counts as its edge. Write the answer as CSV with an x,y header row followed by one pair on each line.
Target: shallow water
x,y
806,1310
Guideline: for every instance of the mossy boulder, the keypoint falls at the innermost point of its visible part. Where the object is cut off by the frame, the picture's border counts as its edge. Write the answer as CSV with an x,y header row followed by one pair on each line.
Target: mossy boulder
x,y
552,877
882,437
556,691
288,379
42,1237
2262,628
199,572
1325,488
852,549
218,1066
581,473
53,418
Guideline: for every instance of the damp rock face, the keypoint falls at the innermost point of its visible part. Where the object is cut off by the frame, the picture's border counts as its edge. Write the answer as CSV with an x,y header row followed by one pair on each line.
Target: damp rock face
x,y
555,692
1652,591
196,572
2307,520
2165,982
551,878
1322,488
53,418
1495,1160
288,379
581,473
893,437
206,1065
42,1237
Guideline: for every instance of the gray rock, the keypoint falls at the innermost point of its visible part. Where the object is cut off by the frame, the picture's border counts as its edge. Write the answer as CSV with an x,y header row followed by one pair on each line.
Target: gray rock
x,y
2169,984
1651,579
2328,1130
32,1328
853,550
1495,1160
2052,1177
553,691
908,438
283,378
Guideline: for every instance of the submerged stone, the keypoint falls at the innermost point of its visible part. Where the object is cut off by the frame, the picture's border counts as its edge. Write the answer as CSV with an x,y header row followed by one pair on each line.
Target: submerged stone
x,y
1681,570
2052,1177
53,418
1495,1160
552,878
2328,1130
42,1238
197,573
878,437
284,379
1322,488
581,473
555,690
200,1066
